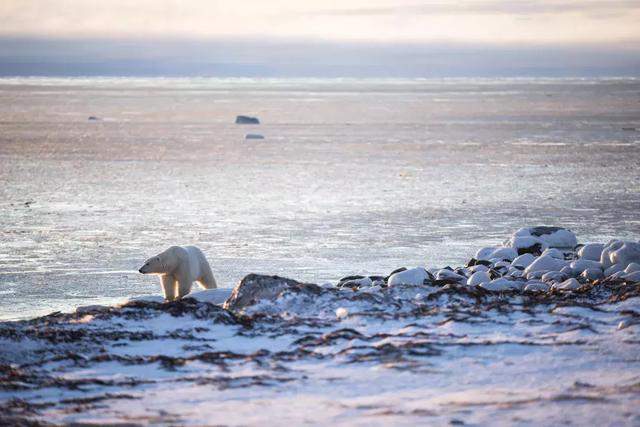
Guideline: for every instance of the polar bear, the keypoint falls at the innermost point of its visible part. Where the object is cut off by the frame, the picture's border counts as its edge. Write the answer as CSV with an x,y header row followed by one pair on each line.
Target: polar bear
x,y
179,267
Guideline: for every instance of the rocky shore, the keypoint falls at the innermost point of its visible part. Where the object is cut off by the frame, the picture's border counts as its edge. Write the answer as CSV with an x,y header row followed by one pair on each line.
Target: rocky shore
x,y
540,329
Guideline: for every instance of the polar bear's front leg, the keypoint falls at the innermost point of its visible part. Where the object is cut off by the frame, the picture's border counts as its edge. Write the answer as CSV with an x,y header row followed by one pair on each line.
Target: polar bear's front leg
x,y
168,286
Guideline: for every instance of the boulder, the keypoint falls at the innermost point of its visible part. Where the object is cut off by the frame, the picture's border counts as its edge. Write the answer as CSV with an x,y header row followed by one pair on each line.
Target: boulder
x,y
605,258
632,277
591,251
253,136
523,260
627,253
247,120
536,286
414,276
502,284
592,274
553,252
545,263
568,285
449,275
526,245
553,237
632,268
613,269
554,276
256,288
496,254
478,278
582,264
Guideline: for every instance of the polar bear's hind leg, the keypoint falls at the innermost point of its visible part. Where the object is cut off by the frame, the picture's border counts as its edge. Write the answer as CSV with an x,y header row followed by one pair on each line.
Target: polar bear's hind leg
x,y
207,280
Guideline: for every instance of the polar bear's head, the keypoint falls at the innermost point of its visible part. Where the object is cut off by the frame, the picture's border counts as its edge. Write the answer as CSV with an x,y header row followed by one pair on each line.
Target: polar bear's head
x,y
162,263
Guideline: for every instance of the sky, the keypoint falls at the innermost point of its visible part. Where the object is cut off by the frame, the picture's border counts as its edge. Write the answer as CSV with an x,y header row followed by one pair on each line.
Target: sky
x,y
312,37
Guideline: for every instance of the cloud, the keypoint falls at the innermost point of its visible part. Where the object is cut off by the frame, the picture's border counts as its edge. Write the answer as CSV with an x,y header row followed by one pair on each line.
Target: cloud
x,y
593,8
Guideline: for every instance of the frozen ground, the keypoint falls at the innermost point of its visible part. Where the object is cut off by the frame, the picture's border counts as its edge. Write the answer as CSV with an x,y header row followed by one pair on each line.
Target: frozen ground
x,y
403,355
353,176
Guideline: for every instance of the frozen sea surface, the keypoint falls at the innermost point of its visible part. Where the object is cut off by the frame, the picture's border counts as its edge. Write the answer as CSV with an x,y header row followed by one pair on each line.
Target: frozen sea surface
x,y
354,176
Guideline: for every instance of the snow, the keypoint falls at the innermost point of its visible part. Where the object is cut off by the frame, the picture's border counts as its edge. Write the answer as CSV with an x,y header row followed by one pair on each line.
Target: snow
x,y
523,260
404,354
413,276
477,278
591,251
545,263
213,296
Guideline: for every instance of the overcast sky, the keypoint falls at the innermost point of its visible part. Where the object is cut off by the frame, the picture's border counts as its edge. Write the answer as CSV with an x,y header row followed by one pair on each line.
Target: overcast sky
x,y
516,35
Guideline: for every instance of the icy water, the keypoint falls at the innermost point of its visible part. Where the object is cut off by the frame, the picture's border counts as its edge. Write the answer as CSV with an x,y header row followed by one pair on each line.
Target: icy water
x,y
353,177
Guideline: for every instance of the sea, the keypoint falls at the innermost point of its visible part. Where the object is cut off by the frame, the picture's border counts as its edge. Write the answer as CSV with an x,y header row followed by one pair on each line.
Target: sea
x,y
353,176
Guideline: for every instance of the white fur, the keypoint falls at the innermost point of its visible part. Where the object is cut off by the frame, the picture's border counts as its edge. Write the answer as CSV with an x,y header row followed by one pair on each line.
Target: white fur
x,y
178,267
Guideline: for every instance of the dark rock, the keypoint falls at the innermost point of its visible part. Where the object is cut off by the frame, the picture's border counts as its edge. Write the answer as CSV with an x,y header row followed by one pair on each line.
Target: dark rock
x,y
540,230
253,136
247,120
397,270
348,278
493,274
535,249
94,119
255,287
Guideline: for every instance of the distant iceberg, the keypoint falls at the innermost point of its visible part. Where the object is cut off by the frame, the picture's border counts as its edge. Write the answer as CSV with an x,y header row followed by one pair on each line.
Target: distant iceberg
x,y
247,120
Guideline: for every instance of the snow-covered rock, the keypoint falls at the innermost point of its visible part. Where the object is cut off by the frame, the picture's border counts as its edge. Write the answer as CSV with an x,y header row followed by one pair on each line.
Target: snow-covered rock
x,y
146,298
568,285
605,257
568,271
496,254
212,296
536,286
632,268
553,237
535,275
627,253
545,263
591,251
632,277
553,252
505,264
523,260
501,284
478,267
413,276
613,269
526,244
554,276
446,274
592,274
514,272
582,264
478,277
